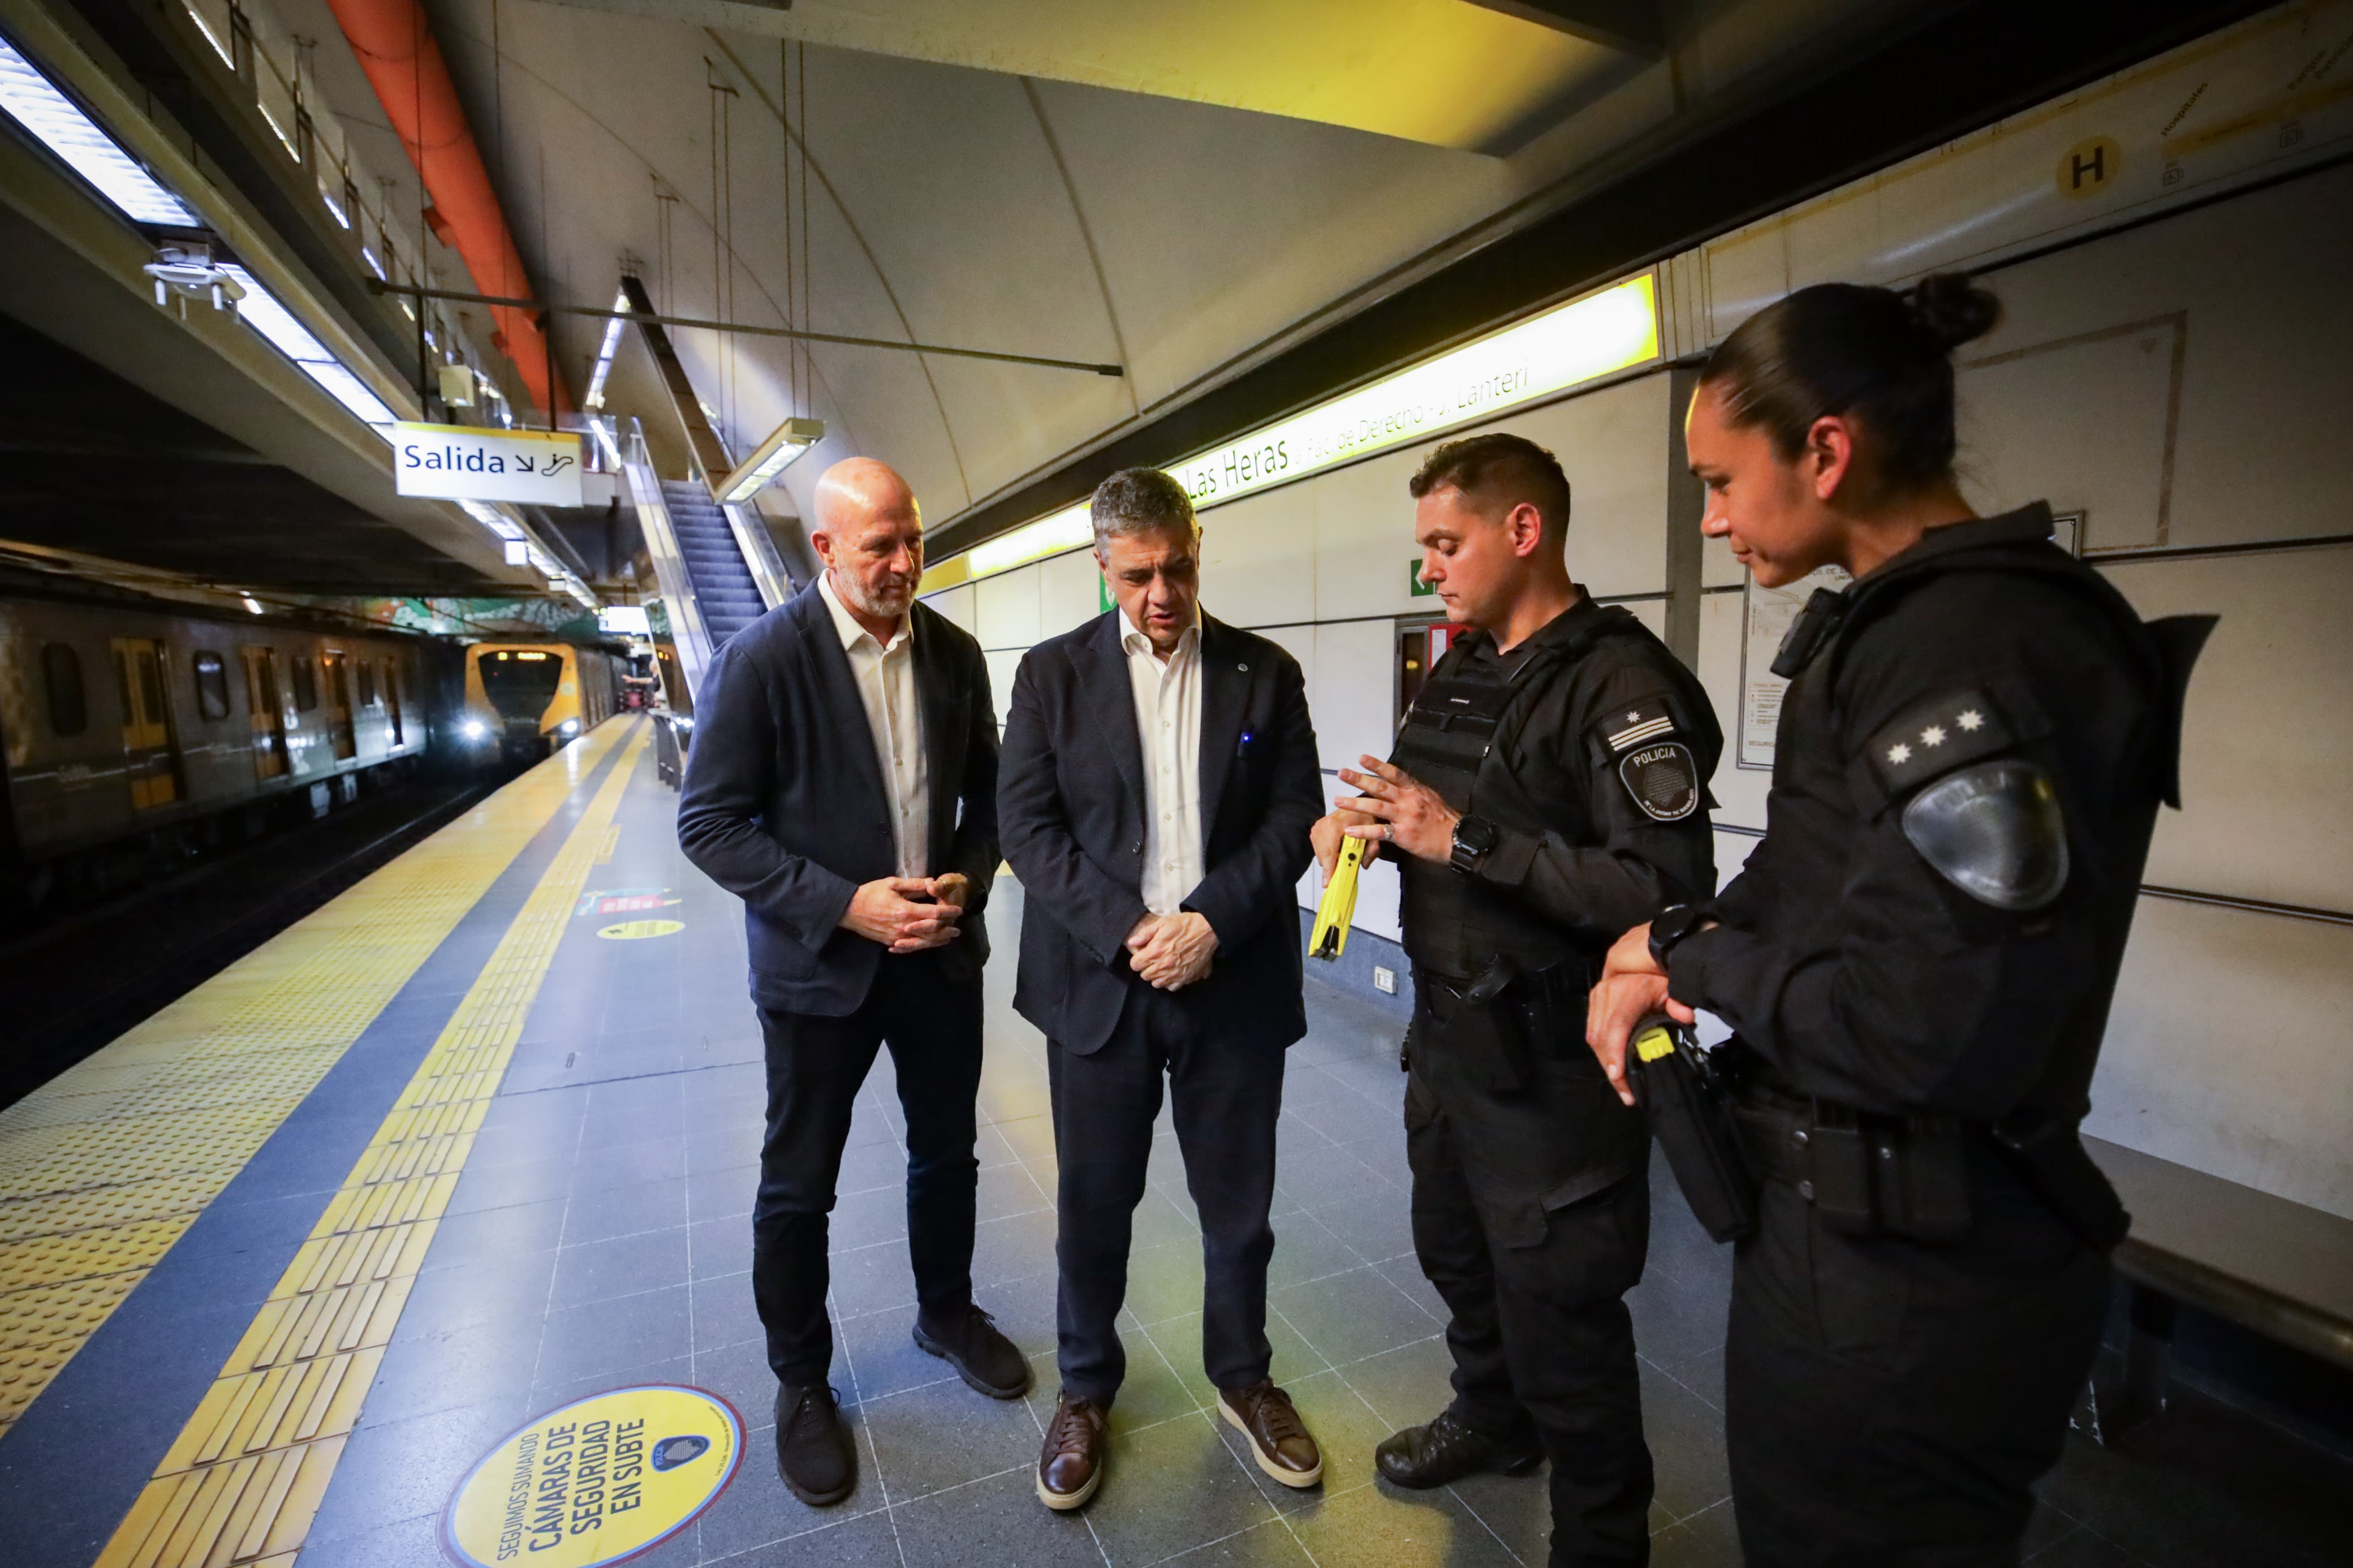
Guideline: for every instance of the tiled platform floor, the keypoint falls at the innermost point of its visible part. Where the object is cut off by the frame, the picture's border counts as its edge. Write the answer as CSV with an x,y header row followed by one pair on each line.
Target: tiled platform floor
x,y
600,1236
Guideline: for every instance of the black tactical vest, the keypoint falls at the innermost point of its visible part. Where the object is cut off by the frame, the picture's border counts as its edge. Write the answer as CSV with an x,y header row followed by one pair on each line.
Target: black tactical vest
x,y
1458,926
2165,651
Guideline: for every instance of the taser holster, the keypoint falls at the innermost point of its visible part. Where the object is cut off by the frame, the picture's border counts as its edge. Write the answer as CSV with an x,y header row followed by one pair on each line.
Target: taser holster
x,y
1689,1109
1479,1022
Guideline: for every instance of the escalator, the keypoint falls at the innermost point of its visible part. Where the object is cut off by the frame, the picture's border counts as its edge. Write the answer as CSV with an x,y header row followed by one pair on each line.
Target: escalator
x,y
721,582
719,570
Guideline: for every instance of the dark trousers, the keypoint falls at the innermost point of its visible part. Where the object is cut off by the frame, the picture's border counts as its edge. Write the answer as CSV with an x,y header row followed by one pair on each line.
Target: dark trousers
x,y
1226,1099
1891,1403
1543,1342
816,1066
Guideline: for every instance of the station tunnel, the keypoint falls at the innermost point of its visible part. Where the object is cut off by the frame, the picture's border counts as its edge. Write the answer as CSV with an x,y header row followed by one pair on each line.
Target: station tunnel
x,y
424,436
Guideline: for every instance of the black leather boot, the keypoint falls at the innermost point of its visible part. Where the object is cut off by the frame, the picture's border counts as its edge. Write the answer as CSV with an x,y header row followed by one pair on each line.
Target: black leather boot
x,y
1445,1450
814,1452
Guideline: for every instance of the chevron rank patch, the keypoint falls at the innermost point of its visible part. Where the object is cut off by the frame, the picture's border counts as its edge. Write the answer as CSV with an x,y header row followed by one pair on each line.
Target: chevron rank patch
x,y
1929,740
1663,779
1626,728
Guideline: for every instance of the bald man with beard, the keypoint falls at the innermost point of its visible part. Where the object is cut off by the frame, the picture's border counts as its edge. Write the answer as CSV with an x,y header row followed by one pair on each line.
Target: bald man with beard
x,y
842,783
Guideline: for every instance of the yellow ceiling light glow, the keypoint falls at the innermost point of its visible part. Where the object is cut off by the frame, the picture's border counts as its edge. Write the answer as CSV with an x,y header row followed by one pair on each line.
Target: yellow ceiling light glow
x,y
1614,330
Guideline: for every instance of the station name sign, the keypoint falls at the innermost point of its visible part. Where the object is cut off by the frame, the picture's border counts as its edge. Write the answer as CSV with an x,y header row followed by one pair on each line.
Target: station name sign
x,y
460,462
1612,330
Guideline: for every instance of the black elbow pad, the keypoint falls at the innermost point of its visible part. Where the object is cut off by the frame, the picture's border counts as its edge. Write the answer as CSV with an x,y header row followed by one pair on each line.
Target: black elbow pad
x,y
1995,831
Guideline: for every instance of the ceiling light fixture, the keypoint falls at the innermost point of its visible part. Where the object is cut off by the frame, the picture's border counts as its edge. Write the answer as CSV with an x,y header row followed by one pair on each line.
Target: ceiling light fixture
x,y
274,322
57,125
770,457
604,352
492,518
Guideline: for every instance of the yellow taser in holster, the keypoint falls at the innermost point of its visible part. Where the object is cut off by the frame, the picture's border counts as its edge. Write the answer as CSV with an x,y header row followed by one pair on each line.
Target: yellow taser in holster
x,y
1329,939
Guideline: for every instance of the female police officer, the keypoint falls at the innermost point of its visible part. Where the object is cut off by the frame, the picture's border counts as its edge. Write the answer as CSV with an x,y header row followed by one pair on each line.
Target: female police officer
x,y
1918,957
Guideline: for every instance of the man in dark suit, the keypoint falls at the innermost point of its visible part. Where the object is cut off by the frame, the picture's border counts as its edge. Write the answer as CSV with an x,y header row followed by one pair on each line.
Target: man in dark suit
x,y
842,782
1159,782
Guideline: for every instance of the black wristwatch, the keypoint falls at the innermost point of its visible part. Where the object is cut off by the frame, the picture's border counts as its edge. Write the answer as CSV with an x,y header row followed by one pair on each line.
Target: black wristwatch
x,y
1669,926
1475,840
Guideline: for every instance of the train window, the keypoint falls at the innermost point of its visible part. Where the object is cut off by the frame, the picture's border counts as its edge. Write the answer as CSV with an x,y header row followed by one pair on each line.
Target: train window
x,y
306,683
61,672
368,684
212,685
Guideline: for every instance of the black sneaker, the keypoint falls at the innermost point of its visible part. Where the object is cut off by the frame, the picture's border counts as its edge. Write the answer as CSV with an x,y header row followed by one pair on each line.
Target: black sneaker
x,y
814,1452
982,1356
1446,1450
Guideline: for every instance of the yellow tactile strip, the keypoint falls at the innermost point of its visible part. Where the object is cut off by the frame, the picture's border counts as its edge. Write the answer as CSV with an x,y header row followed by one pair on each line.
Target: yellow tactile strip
x,y
246,1478
103,1168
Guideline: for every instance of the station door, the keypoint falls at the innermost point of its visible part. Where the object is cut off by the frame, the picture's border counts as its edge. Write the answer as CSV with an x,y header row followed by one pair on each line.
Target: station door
x,y
1422,641
339,705
151,760
266,698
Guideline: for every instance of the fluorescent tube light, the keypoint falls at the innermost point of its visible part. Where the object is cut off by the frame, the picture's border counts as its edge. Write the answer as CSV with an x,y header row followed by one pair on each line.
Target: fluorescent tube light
x,y
1611,330
262,312
1065,530
770,457
605,352
75,138
493,519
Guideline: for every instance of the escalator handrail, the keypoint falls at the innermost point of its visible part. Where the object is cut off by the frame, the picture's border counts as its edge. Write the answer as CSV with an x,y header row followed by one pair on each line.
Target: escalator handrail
x,y
760,554
689,634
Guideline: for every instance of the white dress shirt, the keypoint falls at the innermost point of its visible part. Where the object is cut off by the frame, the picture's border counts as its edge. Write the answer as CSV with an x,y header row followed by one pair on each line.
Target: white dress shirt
x,y
1168,723
885,673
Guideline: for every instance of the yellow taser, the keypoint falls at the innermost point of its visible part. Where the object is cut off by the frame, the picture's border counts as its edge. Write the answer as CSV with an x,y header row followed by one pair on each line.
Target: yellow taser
x,y
1329,939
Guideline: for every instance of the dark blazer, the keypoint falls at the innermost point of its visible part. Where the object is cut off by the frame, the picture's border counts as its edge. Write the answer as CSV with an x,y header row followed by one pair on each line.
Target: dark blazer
x,y
784,802
1071,807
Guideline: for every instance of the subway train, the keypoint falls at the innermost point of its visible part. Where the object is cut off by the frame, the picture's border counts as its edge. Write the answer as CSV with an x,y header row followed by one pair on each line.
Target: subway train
x,y
525,698
138,731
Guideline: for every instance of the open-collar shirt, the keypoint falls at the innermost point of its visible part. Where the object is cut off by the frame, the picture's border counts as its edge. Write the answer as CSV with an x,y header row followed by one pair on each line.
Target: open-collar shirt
x,y
885,674
1168,725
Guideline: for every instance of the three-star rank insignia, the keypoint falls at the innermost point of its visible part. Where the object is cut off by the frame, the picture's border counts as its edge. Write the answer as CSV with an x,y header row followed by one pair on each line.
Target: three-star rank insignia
x,y
1931,739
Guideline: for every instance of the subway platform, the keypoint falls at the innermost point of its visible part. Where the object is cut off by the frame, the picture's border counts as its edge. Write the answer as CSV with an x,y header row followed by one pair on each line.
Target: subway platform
x,y
341,1236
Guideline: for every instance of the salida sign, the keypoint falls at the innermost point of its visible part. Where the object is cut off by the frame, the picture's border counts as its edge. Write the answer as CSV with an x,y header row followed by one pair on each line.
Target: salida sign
x,y
459,462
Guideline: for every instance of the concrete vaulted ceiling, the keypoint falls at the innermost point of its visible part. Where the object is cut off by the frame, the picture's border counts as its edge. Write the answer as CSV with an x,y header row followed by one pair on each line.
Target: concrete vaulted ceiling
x,y
1180,189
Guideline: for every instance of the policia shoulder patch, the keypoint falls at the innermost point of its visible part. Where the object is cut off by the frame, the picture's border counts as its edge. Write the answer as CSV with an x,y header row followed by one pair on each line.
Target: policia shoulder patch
x,y
1659,772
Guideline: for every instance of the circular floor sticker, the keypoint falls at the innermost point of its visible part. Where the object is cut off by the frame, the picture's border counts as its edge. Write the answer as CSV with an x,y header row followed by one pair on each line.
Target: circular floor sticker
x,y
599,1480
631,931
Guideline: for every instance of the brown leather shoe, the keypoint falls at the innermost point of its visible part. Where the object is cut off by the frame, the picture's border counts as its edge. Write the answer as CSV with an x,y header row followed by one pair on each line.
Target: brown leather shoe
x,y
1078,1447
1277,1437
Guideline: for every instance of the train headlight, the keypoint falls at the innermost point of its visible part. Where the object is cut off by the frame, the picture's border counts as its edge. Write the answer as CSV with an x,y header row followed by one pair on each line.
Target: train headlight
x,y
569,727
473,729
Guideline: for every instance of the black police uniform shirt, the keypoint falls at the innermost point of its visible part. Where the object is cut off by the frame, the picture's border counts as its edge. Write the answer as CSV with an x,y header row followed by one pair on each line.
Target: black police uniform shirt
x,y
1861,972
1597,789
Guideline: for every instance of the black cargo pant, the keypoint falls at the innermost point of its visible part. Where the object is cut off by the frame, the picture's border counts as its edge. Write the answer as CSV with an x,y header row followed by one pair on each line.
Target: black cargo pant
x,y
816,1066
1889,1404
1226,1097
1542,1338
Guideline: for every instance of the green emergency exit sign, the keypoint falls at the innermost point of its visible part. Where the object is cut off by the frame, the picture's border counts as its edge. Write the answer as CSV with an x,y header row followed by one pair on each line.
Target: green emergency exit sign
x,y
1414,584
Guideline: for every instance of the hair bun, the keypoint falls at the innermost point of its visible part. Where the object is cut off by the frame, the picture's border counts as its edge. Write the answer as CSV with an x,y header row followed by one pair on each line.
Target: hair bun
x,y
1952,310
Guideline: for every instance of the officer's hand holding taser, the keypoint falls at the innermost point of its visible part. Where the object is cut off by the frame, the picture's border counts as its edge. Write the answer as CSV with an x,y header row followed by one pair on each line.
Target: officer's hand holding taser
x,y
1633,985
1689,1109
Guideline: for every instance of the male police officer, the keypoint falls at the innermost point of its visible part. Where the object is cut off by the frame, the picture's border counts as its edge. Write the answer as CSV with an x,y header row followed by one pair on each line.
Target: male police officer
x,y
1549,783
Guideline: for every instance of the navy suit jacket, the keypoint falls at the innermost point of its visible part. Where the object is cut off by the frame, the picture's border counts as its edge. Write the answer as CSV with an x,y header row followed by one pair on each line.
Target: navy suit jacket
x,y
1071,807
784,802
